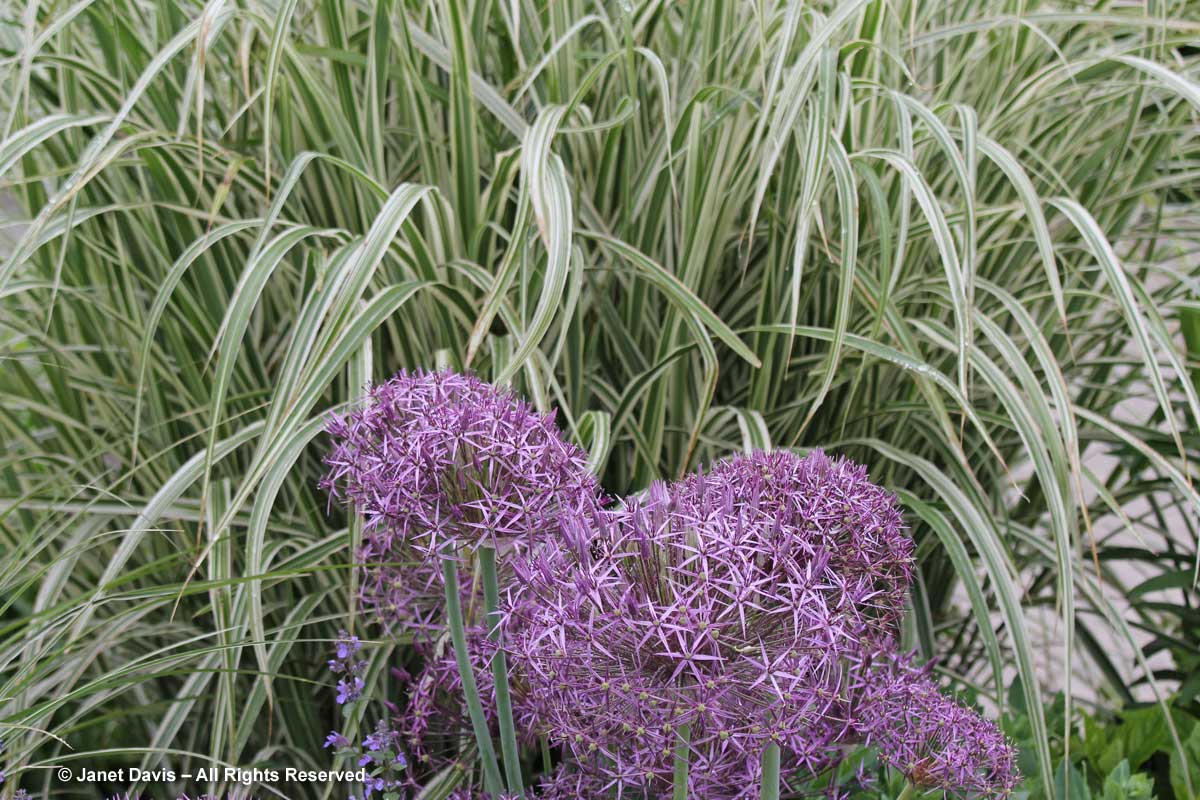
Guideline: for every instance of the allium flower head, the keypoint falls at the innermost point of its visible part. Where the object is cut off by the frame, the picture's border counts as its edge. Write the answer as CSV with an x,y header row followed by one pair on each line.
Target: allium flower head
x,y
729,602
434,712
935,741
436,459
564,783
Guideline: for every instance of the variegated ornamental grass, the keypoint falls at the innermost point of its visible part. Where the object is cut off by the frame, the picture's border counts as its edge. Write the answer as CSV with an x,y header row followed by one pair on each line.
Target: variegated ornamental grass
x,y
955,242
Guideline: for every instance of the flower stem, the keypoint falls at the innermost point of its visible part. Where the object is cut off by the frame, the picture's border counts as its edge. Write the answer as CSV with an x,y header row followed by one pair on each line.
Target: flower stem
x,y
508,731
908,792
682,753
458,635
770,773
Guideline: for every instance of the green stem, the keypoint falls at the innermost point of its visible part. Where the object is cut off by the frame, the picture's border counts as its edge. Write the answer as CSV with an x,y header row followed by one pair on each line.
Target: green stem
x,y
508,731
458,635
908,793
770,773
682,754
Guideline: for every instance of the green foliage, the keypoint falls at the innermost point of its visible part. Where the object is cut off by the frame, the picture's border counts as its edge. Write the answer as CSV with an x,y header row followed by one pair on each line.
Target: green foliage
x,y
1120,784
954,241
1127,753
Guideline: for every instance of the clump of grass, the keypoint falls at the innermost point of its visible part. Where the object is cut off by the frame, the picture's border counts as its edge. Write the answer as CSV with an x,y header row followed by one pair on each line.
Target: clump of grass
x,y
955,242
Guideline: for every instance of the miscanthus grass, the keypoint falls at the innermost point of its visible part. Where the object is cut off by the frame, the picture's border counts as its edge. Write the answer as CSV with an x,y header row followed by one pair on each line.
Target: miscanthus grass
x,y
955,242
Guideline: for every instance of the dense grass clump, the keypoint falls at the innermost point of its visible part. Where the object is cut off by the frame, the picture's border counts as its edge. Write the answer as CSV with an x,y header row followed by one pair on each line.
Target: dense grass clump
x,y
956,242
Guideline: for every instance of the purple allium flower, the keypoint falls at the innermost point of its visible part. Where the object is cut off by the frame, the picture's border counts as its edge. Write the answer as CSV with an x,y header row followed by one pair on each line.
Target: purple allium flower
x,y
936,742
433,716
729,602
564,783
434,711
439,458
